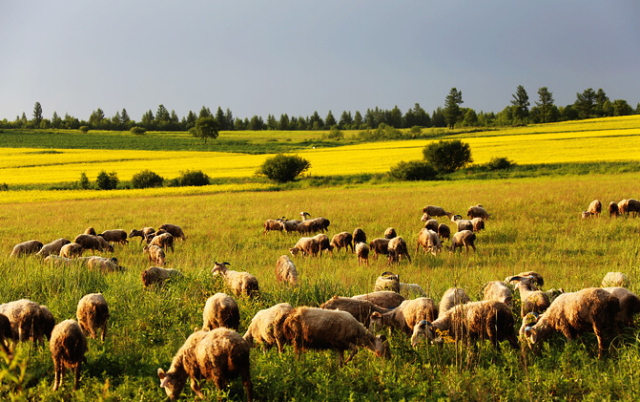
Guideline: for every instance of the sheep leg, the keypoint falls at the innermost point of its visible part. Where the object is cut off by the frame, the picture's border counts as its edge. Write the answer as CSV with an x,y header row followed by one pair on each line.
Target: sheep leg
x,y
58,377
601,344
196,388
77,379
104,331
245,374
354,350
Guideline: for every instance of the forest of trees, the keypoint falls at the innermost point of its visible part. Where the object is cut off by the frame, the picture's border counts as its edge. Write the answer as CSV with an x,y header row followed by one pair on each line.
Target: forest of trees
x,y
588,104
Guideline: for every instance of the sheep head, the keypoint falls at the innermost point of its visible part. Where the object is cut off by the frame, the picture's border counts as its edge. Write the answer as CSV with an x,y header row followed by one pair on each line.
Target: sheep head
x,y
294,250
375,321
381,347
425,217
422,330
172,383
220,269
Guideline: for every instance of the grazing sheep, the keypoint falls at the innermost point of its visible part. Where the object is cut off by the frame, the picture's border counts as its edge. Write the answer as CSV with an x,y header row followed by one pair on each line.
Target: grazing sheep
x,y
273,224
115,236
175,230
142,233
5,334
102,264
431,224
453,297
29,321
462,224
390,233
53,247
68,345
629,304
91,242
432,210
497,291
631,205
537,279
595,208
397,248
385,298
306,246
532,299
590,309
290,225
71,250
464,238
239,282
286,271
105,244
444,231
59,261
158,276
266,327
218,355
316,328
490,320
359,236
407,315
316,224
586,214
362,251
164,240
220,310
360,309
430,242
387,281
613,209
90,231
92,314
478,224
342,240
379,247
478,211
25,248
323,242
155,254
615,279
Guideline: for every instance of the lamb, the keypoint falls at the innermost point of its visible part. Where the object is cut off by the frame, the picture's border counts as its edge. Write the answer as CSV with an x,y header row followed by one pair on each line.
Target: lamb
x,y
71,250
342,240
386,299
615,279
379,247
595,208
360,309
102,264
613,209
430,242
142,233
478,224
218,355
239,282
497,291
432,224
316,328
464,238
306,246
68,345
53,247
317,224
266,327
432,210
478,211
164,241
155,254
490,320
359,236
90,231
286,271
444,231
92,314
175,230
158,276
453,297
220,310
273,224
462,224
397,248
29,320
390,233
323,242
93,243
26,248
115,236
362,251
590,309
629,305
407,315
532,299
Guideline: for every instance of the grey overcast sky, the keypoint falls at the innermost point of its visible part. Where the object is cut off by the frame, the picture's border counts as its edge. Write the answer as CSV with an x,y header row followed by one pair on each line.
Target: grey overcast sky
x,y
298,56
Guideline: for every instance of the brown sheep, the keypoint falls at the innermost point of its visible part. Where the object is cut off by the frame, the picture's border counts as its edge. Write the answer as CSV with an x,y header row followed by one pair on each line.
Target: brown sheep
x,y
158,276
537,279
53,247
629,305
142,233
430,242
92,314
26,248
115,236
478,224
379,247
432,210
220,310
478,211
102,264
164,240
59,261
324,243
432,224
240,283
462,224
272,224
490,320
91,242
359,236
68,345
317,224
175,230
407,315
390,233
90,231
290,225
155,254
595,208
444,231
613,209
342,240
266,327
397,248
218,355
362,251
464,238
360,309
286,271
385,298
590,309
452,297
316,328
497,291
633,205
29,320
71,250
306,246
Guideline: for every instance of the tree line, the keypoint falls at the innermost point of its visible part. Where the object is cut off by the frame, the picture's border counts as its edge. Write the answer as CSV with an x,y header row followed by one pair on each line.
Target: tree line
x,y
520,111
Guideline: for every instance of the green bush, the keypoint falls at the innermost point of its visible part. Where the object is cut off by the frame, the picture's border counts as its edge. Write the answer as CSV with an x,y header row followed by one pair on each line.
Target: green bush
x,y
138,130
84,129
84,181
335,134
146,179
413,170
500,164
191,178
107,181
448,156
4,187
283,168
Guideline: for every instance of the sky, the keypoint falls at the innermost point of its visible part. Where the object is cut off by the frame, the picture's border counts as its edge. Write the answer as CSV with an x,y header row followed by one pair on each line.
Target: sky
x,y
259,57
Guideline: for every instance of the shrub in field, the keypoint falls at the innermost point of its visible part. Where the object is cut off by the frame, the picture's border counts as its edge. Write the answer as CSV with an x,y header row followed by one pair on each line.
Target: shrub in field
x,y
83,183
146,179
448,156
84,129
107,181
137,130
413,170
191,178
283,168
335,134
500,164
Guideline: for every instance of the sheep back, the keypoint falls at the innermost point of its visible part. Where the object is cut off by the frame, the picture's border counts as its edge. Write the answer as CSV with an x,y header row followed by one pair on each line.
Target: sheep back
x,y
385,298
25,248
68,345
175,230
286,270
220,310
359,309
266,327
53,247
92,314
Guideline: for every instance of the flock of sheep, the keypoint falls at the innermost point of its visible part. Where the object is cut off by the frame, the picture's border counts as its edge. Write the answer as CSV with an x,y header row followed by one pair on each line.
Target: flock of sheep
x,y
217,352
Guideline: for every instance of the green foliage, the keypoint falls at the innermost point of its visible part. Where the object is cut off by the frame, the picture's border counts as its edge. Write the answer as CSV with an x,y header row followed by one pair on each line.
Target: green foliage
x,y
497,163
4,187
452,107
283,168
413,170
191,178
335,134
448,156
107,181
206,127
138,130
83,183
146,179
382,133
84,129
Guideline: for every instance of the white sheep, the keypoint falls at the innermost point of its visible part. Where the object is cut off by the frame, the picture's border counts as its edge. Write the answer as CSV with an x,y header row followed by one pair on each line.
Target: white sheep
x,y
306,246
92,314
220,310
385,298
452,297
26,248
240,283
158,276
615,279
266,327
71,250
286,271
68,345
53,247
155,254
498,291
407,315
464,238
430,242
29,320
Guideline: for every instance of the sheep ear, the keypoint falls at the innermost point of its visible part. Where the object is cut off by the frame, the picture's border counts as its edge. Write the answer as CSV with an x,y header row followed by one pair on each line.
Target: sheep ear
x,y
161,375
375,314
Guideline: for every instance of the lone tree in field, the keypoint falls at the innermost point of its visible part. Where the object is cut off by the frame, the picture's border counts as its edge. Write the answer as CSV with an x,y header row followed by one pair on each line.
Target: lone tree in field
x,y
206,127
545,104
448,156
520,104
37,115
452,104
283,168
